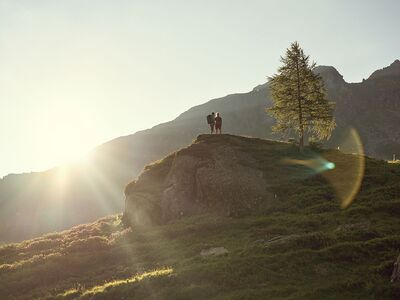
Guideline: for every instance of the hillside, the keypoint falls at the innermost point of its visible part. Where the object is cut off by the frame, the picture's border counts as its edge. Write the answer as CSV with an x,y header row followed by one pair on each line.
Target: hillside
x,y
93,190
295,242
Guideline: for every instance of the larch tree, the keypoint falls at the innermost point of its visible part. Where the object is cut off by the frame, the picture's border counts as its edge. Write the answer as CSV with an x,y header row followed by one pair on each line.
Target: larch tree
x,y
299,98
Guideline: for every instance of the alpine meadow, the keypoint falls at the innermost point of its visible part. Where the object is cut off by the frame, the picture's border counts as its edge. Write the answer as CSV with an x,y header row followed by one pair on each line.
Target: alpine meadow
x,y
185,150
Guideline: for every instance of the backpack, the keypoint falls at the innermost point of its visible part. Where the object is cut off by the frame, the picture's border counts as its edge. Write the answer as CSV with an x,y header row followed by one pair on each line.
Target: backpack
x,y
209,119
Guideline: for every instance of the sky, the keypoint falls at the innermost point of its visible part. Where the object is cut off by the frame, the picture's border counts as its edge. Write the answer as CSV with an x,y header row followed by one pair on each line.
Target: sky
x,y
77,73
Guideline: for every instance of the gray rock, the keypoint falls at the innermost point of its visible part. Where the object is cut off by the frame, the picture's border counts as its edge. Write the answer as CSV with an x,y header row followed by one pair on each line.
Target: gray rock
x,y
396,271
217,251
280,240
207,176
354,226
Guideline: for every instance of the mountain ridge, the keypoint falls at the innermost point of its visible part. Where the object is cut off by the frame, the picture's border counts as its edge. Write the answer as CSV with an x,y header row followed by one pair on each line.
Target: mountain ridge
x,y
392,70
115,163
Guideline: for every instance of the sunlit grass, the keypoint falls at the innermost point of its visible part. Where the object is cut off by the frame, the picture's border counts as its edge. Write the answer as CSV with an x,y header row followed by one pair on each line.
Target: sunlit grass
x,y
36,259
116,283
394,161
69,293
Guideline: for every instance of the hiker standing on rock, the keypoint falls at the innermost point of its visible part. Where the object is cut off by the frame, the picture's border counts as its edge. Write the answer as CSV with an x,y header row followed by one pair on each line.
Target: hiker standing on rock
x,y
211,121
218,124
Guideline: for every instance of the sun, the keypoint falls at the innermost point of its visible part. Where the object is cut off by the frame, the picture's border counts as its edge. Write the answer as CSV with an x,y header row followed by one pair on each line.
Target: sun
x,y
61,139
69,151
77,157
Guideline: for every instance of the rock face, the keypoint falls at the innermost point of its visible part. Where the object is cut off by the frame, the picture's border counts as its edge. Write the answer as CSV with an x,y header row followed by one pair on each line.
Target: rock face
x,y
212,252
396,271
212,174
391,71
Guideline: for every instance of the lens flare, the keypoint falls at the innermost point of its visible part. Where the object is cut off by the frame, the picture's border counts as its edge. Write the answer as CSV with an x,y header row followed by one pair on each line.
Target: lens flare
x,y
317,164
344,171
330,165
347,177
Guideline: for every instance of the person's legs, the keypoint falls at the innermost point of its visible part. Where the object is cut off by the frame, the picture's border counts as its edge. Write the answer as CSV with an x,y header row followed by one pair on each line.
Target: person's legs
x,y
212,128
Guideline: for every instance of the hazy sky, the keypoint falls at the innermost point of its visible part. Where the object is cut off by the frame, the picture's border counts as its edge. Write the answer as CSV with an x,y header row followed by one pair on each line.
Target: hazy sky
x,y
76,73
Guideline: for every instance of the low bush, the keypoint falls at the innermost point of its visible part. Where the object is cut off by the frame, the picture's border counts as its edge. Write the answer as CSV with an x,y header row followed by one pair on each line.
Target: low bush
x,y
92,243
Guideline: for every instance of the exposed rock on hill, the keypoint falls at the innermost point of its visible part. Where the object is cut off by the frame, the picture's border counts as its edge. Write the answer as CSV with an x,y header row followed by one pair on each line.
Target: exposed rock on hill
x,y
236,176
213,174
396,271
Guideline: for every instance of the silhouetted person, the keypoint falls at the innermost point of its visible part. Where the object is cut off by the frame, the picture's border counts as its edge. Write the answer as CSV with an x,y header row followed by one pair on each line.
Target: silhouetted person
x,y
211,121
218,124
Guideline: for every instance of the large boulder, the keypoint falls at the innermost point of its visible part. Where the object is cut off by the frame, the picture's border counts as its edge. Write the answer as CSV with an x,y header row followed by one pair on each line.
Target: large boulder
x,y
213,174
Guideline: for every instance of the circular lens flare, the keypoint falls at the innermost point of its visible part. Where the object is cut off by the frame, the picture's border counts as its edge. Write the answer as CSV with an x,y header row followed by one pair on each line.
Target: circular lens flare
x,y
343,170
347,176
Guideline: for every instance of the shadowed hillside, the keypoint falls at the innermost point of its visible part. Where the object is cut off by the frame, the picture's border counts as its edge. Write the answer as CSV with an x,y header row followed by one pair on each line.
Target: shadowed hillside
x,y
298,244
94,190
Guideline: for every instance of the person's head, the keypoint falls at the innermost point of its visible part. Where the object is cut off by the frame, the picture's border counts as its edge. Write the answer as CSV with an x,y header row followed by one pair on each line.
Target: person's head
x,y
217,114
213,113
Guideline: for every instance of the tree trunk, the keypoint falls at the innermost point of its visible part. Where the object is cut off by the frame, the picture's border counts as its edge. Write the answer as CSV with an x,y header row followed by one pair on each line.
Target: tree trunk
x,y
301,142
301,133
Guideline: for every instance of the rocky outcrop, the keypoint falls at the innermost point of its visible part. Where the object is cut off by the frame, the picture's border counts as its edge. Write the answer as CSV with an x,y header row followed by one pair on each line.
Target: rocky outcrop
x,y
212,252
213,174
396,271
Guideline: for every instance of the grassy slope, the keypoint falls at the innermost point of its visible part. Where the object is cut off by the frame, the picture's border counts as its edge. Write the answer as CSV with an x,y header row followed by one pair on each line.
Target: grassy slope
x,y
303,246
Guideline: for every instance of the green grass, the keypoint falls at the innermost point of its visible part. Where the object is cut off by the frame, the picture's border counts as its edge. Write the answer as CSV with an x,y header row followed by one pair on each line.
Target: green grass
x,y
281,256
302,246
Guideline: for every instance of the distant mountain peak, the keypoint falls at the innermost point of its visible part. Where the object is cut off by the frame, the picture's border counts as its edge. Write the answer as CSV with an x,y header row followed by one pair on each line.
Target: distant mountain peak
x,y
260,87
329,74
392,70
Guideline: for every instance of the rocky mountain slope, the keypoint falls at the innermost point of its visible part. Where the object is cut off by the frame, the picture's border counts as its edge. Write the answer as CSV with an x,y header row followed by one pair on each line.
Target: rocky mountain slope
x,y
214,234
372,107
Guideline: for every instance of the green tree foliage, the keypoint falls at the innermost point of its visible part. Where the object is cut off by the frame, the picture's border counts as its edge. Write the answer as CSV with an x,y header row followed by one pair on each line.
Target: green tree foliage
x,y
299,98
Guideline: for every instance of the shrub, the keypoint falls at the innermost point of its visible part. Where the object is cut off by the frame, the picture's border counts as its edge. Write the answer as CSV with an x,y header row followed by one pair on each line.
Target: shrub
x,y
120,236
8,250
38,245
92,243
315,145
